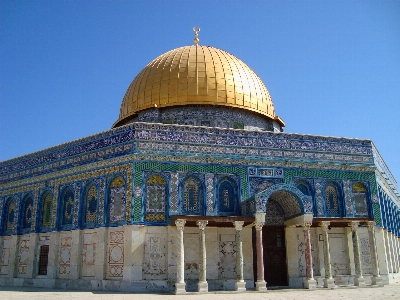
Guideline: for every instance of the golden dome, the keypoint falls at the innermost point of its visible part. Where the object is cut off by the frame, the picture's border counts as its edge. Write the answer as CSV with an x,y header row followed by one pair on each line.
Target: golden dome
x,y
194,75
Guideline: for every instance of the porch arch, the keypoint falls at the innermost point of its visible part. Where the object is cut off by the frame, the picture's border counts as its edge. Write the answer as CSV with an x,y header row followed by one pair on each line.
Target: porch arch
x,y
290,198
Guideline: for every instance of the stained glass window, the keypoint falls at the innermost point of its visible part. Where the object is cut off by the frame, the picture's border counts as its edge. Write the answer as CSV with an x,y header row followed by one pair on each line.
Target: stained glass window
x,y
331,200
117,200
360,199
91,204
227,196
67,206
46,210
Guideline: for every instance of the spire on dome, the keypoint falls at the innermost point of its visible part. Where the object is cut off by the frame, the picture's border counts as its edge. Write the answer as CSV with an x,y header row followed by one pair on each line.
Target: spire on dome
x,y
196,30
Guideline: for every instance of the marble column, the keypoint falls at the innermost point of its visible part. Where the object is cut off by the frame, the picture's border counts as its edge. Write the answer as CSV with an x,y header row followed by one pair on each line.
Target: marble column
x,y
202,285
376,278
328,281
358,278
240,284
260,283
180,285
310,282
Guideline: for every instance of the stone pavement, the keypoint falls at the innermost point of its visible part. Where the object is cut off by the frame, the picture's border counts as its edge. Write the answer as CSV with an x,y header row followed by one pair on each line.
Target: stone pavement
x,y
375,293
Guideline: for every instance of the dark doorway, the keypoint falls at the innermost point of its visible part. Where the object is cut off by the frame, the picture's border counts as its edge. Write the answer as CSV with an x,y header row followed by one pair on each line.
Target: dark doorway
x,y
275,268
43,259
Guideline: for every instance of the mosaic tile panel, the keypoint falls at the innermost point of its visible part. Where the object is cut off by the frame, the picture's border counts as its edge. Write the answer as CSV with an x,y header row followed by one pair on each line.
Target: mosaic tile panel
x,y
210,192
174,192
347,197
116,254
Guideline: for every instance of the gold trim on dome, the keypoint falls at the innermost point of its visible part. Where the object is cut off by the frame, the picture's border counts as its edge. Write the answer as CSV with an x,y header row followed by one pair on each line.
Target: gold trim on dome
x,y
196,75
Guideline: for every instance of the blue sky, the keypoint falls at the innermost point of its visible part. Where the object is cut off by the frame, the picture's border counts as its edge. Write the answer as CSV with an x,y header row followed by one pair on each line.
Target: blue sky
x,y
332,67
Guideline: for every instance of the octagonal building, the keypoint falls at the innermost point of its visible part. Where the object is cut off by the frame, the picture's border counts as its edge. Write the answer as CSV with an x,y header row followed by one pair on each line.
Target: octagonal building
x,y
197,188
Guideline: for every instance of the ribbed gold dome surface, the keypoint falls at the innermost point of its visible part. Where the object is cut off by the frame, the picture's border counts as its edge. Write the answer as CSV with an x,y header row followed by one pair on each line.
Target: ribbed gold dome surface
x,y
196,75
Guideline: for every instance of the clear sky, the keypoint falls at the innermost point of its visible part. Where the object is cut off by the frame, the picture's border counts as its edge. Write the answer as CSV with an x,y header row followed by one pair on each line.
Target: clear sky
x,y
332,67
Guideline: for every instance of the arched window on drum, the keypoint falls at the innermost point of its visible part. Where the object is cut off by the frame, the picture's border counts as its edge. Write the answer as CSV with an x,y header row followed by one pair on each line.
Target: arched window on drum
x,y
227,193
192,197
117,200
26,213
360,199
67,208
332,200
155,198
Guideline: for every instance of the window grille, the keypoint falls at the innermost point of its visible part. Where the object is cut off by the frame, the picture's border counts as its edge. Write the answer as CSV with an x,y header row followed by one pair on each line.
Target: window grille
x,y
43,259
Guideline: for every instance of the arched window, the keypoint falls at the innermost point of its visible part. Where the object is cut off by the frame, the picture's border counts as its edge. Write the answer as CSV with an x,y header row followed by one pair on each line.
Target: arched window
x,y
155,198
192,196
67,207
227,196
91,201
9,215
46,210
360,199
26,213
332,200
117,200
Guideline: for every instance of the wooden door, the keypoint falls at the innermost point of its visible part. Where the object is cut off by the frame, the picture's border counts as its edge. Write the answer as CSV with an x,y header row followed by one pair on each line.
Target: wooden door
x,y
275,268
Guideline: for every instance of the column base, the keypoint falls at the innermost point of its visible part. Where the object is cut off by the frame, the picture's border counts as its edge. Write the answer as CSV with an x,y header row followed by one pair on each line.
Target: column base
x,y
359,281
310,284
240,286
329,283
180,288
375,280
202,287
261,286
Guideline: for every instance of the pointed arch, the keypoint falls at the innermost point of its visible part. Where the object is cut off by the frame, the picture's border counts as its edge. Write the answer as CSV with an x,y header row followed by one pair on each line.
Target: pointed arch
x,y
192,195
116,201
66,215
90,205
26,213
227,196
9,216
289,197
333,199
46,202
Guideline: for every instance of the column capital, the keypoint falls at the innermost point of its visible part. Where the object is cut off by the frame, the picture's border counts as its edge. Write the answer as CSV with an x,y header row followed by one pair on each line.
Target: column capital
x,y
324,225
354,225
202,224
306,225
371,225
238,225
259,225
180,224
